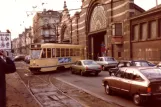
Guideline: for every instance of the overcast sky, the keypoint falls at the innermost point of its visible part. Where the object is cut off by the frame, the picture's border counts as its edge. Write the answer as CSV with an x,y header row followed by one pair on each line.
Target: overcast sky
x,y
18,14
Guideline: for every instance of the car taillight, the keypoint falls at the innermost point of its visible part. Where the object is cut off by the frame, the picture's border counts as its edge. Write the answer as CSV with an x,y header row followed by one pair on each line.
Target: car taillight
x,y
86,68
149,90
100,67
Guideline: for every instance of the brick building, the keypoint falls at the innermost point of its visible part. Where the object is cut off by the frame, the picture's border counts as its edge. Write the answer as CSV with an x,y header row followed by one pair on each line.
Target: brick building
x,y
45,26
146,35
100,22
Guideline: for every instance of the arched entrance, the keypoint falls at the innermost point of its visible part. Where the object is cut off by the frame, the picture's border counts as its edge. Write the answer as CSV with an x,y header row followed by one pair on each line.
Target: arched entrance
x,y
96,29
96,41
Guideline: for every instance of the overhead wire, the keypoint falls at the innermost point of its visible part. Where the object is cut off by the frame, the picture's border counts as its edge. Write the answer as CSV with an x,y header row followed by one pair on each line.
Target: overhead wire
x,y
102,4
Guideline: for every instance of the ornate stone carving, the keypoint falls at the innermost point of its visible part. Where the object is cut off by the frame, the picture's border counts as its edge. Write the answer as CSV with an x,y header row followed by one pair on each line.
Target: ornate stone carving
x,y
98,19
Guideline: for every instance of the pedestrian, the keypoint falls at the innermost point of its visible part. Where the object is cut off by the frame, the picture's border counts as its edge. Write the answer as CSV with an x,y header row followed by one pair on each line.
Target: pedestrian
x,y
6,66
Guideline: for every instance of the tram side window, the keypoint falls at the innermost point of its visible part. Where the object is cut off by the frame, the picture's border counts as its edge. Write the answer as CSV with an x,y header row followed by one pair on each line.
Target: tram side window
x,y
57,52
82,52
53,52
62,52
77,52
74,52
71,52
48,53
67,52
43,53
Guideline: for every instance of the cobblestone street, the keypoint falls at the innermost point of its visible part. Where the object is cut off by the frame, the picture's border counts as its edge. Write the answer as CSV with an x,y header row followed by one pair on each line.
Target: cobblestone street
x,y
17,93
33,91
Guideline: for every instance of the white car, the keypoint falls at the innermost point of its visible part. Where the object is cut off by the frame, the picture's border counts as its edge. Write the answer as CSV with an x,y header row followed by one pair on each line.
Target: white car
x,y
107,62
158,65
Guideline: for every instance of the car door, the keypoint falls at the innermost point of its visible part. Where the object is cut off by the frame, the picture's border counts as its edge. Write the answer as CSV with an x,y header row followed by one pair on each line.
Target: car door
x,y
98,61
126,81
79,66
102,61
116,81
74,66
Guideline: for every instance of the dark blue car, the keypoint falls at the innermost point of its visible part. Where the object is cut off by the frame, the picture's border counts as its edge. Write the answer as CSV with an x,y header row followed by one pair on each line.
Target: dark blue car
x,y
128,63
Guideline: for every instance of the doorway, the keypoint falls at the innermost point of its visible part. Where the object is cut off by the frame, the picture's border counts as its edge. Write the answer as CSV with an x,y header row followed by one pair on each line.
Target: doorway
x,y
98,39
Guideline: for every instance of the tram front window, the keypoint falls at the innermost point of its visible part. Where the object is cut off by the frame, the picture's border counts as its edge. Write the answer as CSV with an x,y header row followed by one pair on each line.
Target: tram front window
x,y
35,54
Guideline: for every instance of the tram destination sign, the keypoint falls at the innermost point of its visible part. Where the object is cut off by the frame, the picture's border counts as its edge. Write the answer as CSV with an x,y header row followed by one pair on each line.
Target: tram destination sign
x,y
5,40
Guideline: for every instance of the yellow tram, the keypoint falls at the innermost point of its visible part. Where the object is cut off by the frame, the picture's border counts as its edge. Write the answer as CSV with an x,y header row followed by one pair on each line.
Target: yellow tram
x,y
51,56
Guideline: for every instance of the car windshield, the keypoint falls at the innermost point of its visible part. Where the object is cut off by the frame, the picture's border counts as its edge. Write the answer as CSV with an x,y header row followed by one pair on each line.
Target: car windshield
x,y
151,73
89,63
144,64
35,54
109,59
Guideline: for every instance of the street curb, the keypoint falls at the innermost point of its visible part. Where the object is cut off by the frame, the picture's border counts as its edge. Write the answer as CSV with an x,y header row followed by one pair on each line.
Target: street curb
x,y
89,92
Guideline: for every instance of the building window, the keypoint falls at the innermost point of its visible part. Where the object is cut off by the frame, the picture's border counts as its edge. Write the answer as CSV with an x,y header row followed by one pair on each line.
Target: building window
x,y
152,29
143,29
119,54
117,29
159,28
135,30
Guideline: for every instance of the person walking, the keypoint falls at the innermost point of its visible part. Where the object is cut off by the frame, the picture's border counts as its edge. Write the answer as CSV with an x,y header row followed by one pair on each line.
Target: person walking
x,y
6,66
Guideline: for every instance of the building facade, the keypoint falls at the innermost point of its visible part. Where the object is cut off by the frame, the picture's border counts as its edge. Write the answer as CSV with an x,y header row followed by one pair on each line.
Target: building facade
x,y
100,24
28,39
45,26
146,35
21,45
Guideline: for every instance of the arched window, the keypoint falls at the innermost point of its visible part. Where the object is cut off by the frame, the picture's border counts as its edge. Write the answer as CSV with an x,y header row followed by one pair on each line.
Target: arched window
x,y
98,19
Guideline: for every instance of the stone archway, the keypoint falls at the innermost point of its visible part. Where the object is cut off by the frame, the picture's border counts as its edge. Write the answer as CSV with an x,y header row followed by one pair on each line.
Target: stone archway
x,y
98,19
96,25
96,15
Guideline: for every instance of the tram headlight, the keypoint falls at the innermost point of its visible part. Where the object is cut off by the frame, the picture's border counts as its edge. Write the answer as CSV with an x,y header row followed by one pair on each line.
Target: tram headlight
x,y
34,63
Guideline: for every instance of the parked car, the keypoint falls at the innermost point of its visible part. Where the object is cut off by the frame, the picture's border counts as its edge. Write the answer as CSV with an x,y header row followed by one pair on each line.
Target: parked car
x,y
130,63
86,67
159,65
141,83
27,59
19,58
107,62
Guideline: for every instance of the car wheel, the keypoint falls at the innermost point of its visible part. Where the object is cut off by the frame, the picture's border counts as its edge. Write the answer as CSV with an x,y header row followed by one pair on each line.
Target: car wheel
x,y
108,90
72,71
82,73
34,72
137,99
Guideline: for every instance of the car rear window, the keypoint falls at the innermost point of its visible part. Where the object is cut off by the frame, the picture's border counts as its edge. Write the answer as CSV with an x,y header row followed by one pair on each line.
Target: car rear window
x,y
151,73
89,63
109,59
144,64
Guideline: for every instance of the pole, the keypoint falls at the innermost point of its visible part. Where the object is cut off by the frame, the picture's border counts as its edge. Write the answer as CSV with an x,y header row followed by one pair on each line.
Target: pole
x,y
156,3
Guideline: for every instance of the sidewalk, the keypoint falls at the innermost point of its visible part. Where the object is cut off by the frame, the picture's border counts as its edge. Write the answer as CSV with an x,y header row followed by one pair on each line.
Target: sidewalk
x,y
17,94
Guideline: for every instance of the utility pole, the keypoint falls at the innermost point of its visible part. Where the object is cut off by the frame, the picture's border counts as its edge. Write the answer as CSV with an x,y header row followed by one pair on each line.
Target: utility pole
x,y
156,3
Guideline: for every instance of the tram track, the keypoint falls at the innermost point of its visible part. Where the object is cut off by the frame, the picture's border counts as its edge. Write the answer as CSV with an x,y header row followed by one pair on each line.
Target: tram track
x,y
49,91
27,87
47,86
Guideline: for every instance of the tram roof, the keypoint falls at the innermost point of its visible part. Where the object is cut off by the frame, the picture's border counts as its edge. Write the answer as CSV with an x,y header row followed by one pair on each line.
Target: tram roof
x,y
54,45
